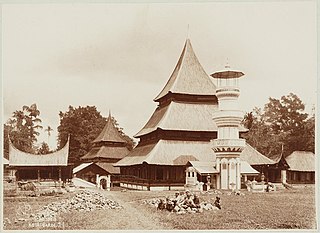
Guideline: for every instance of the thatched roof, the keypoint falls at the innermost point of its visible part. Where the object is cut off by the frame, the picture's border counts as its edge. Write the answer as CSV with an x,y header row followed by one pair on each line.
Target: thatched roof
x,y
275,157
246,169
184,159
204,168
183,116
301,161
109,133
21,158
169,152
254,157
80,167
188,76
165,152
111,152
108,167
5,161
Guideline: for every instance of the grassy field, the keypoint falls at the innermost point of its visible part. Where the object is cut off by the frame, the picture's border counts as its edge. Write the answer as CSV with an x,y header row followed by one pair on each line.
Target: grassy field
x,y
285,209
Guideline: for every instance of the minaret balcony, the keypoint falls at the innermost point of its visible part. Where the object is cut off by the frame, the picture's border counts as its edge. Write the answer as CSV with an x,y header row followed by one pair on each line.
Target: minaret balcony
x,y
227,91
228,145
227,118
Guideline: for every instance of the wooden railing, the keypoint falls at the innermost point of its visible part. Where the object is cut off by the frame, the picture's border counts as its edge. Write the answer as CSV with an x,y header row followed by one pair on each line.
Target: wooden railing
x,y
137,180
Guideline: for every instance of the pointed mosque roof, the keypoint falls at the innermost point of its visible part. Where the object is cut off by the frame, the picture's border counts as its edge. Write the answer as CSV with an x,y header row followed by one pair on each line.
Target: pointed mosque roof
x,y
188,76
183,116
109,133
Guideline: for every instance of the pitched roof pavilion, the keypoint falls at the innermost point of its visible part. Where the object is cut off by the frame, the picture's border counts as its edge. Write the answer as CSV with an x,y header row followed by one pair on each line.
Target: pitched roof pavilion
x,y
301,161
108,145
21,158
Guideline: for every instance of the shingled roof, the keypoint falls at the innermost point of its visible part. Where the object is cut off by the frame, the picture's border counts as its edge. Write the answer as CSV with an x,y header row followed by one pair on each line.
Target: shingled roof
x,y
109,133
254,157
166,152
301,161
107,152
183,116
21,158
188,76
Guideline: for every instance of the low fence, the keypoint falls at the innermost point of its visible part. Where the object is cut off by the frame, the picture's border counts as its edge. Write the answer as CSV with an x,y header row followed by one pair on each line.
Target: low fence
x,y
148,183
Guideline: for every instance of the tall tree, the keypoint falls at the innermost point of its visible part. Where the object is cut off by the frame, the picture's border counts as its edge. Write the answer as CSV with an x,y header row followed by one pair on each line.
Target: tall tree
x,y
282,126
129,140
307,135
6,129
260,135
83,124
23,128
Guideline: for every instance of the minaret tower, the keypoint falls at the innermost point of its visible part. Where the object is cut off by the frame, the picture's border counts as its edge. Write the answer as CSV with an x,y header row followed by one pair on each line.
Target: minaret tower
x,y
228,145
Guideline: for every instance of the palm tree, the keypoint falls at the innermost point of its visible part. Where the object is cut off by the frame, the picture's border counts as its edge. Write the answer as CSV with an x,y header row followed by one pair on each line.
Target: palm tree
x,y
48,129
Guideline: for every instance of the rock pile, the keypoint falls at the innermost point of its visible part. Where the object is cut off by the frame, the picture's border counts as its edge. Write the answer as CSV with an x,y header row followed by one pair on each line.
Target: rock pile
x,y
84,201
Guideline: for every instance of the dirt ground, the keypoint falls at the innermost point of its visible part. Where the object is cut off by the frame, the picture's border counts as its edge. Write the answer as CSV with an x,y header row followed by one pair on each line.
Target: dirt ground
x,y
285,209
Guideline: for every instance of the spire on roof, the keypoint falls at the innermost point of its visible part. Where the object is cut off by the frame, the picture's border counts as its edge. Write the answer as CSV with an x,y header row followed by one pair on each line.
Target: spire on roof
x,y
188,76
227,64
188,32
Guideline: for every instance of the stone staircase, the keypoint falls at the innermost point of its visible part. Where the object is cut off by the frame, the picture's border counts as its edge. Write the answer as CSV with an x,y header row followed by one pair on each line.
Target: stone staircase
x,y
82,183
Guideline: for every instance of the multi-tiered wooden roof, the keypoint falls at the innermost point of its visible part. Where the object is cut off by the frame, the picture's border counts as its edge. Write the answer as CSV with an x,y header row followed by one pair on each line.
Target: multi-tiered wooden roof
x,y
108,148
181,126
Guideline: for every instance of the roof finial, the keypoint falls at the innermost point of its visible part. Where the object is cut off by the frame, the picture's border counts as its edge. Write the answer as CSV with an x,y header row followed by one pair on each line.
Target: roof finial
x,y
109,117
188,32
227,64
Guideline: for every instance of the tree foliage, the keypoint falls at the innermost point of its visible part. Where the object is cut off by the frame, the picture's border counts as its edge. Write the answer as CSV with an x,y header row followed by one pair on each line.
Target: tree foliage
x,y
43,149
83,124
282,127
130,141
23,129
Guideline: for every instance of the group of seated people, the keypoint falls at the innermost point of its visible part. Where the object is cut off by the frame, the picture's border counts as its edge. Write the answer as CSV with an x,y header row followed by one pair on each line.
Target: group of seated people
x,y
184,201
180,200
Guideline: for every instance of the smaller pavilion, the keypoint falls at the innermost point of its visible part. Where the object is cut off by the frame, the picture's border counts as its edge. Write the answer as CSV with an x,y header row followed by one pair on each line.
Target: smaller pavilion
x,y
108,148
296,168
52,166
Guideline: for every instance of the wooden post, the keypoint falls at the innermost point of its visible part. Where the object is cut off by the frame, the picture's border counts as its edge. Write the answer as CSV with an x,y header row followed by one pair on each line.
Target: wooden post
x,y
59,171
39,178
108,182
283,176
98,181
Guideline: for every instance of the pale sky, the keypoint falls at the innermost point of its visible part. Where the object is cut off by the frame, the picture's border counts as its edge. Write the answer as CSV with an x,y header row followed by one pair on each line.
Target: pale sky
x,y
119,56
